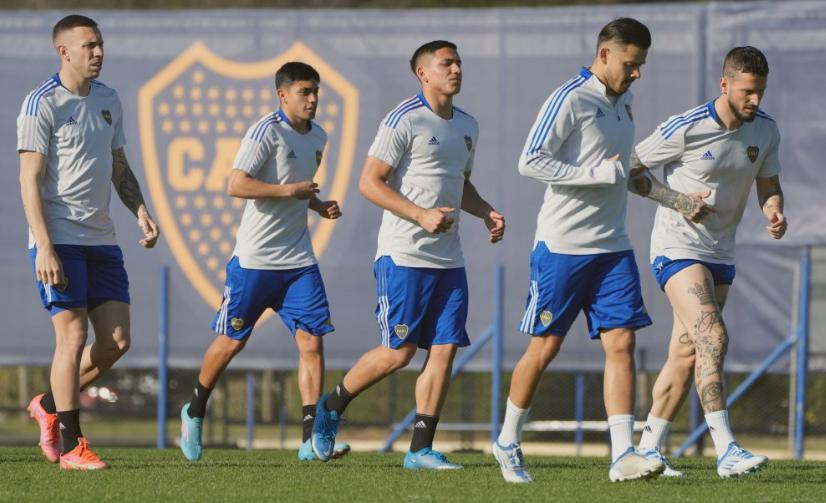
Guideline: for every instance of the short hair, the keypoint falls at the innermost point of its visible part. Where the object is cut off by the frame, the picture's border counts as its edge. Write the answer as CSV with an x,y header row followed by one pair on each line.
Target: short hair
x,y
625,30
72,21
746,59
429,48
293,72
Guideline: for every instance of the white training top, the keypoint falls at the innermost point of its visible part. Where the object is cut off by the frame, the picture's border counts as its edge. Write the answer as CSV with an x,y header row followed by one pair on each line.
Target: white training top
x,y
77,135
273,233
430,157
579,128
699,154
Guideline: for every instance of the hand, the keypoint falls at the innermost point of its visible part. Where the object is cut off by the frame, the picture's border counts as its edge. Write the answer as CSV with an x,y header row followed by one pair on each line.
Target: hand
x,y
435,220
148,227
495,222
692,206
777,225
48,267
328,209
304,190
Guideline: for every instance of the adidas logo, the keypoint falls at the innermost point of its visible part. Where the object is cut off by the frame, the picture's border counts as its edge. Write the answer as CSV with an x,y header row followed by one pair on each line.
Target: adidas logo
x,y
71,121
708,156
308,417
291,155
433,141
600,113
420,425
647,429
711,428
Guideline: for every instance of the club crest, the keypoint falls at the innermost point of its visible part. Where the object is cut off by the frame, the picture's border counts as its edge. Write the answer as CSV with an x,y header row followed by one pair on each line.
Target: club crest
x,y
192,116
546,317
61,287
752,152
107,116
401,330
237,323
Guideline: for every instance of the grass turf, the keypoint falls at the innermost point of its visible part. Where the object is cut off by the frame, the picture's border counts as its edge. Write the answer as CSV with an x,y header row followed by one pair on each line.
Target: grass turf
x,y
235,475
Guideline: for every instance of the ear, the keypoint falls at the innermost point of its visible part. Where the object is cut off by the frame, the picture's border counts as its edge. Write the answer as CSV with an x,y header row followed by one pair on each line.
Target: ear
x,y
420,73
723,85
282,95
603,54
62,52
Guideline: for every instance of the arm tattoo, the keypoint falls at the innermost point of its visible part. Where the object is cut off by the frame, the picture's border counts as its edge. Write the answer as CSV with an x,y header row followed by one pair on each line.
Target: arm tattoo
x,y
638,177
675,200
771,189
641,182
125,182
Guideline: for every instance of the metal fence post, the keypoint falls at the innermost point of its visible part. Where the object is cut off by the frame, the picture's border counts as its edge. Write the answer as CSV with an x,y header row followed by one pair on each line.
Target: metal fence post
x,y
802,353
579,411
163,358
250,409
496,352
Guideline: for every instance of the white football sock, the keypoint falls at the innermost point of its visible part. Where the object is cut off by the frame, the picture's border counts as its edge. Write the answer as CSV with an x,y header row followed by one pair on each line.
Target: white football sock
x,y
512,427
720,430
654,432
622,434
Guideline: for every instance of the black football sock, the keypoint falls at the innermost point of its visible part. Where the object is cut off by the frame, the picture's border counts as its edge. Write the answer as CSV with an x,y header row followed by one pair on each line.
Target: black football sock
x,y
339,399
197,406
69,429
47,402
424,429
308,413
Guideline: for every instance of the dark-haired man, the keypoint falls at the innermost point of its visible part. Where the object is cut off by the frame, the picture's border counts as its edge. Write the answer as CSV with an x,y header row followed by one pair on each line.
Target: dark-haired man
x,y
418,170
273,265
71,144
711,155
582,260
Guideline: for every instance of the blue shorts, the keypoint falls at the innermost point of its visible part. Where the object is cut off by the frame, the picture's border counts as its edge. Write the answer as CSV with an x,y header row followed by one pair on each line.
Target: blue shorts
x,y
663,268
420,305
94,275
297,295
605,286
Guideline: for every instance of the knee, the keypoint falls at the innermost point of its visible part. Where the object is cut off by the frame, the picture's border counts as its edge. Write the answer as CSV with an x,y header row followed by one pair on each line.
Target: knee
x,y
229,347
122,344
399,358
546,351
619,344
685,362
311,351
72,340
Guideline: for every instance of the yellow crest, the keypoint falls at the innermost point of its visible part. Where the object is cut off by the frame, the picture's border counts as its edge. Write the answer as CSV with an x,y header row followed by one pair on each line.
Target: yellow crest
x,y
546,317
401,330
192,117
237,323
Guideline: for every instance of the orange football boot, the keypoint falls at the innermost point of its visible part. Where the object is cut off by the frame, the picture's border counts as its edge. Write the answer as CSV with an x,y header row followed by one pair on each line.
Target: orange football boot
x,y
49,432
82,458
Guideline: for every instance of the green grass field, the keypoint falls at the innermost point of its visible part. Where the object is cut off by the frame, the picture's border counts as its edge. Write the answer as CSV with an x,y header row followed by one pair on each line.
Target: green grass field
x,y
235,475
